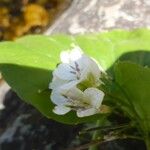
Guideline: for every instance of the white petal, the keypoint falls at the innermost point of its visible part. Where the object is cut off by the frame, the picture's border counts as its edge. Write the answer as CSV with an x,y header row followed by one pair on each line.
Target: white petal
x,y
82,61
57,98
66,89
93,67
76,94
92,64
63,71
57,82
86,112
95,97
61,110
75,53
65,57
69,85
69,56
89,66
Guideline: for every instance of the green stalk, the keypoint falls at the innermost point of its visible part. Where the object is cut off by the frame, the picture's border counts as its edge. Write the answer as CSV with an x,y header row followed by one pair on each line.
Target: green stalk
x,y
147,142
96,135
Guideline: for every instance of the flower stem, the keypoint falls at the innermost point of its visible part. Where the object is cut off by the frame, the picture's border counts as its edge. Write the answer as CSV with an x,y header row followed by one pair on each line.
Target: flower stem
x,y
96,135
147,142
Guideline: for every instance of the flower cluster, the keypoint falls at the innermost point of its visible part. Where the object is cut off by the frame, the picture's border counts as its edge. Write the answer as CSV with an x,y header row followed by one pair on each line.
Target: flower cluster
x,y
74,84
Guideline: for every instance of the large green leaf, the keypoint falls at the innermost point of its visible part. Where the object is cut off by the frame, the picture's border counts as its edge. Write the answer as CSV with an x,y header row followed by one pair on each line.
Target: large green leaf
x,y
29,73
27,63
134,81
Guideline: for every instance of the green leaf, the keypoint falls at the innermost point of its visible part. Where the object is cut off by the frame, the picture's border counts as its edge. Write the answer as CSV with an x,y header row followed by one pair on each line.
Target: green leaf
x,y
134,81
28,72
27,63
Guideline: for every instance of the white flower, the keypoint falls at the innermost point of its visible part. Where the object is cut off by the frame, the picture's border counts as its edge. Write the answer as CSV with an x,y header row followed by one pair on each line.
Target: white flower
x,y
74,84
76,68
67,98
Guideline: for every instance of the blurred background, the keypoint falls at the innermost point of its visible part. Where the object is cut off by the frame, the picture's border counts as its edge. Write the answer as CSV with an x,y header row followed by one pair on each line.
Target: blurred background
x,y
20,17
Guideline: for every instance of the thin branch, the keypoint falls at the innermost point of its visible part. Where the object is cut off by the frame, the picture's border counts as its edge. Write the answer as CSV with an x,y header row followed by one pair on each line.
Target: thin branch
x,y
85,146
106,128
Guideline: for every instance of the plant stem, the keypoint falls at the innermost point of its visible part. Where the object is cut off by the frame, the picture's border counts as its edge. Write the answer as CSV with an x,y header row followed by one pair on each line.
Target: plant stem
x,y
107,128
95,136
147,142
98,142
